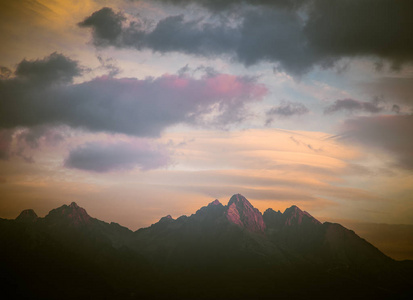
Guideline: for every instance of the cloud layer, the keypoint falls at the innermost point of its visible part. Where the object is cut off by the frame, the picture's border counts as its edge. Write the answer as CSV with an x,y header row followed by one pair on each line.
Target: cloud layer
x,y
286,109
386,132
102,157
352,105
297,35
42,93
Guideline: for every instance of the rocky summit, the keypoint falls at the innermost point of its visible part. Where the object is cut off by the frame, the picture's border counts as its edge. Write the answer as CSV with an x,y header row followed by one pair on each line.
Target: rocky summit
x,y
241,212
69,214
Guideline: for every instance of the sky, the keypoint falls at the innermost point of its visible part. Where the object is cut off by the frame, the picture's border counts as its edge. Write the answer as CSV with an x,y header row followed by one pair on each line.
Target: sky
x,y
139,109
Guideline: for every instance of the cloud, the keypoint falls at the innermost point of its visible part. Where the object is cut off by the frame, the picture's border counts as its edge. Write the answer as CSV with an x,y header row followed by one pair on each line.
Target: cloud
x,y
353,28
261,36
54,68
353,105
20,142
34,136
268,149
286,109
127,105
102,157
218,5
398,89
296,35
173,33
106,23
6,138
392,133
109,64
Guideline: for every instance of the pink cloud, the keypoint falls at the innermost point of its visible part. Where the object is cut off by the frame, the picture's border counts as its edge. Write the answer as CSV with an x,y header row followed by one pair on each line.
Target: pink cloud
x,y
233,86
140,107
102,156
174,81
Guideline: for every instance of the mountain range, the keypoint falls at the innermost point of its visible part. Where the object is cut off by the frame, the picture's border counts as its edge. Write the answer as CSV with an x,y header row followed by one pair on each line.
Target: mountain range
x,y
228,251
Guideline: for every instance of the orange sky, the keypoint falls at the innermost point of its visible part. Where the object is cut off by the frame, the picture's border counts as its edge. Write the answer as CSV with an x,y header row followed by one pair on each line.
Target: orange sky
x,y
100,106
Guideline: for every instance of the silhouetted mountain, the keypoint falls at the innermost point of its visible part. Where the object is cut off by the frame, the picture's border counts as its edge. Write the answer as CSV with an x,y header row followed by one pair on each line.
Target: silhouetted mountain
x,y
230,251
71,215
27,216
72,219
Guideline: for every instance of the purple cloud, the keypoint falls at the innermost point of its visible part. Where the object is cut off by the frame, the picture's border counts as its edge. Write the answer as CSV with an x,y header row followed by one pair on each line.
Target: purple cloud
x,y
286,109
102,157
353,105
392,133
54,68
140,107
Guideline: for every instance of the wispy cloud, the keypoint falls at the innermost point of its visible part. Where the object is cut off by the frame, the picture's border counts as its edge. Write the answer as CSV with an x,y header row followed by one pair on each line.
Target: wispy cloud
x,y
286,109
102,157
352,105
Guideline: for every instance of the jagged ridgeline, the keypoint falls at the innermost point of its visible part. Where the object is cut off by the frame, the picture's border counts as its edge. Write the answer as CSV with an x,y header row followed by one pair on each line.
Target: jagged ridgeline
x,y
221,252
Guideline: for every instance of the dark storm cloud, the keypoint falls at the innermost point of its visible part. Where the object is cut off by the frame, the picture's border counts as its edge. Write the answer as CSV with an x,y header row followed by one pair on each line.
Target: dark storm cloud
x,y
286,109
27,98
392,133
370,27
127,105
275,36
106,23
352,106
170,34
102,157
192,37
297,35
54,68
261,36
220,5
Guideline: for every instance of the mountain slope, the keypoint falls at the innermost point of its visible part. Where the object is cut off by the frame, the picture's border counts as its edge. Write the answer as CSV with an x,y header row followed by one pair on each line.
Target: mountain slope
x,y
241,212
27,216
208,239
222,251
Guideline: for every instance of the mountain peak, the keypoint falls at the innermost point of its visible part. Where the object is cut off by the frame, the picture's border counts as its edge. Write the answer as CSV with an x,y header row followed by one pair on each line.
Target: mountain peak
x,y
241,212
295,216
215,202
270,210
74,205
238,198
27,216
166,218
72,214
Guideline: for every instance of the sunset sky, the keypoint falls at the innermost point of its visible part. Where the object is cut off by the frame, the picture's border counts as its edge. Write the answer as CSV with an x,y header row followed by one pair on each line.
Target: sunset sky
x,y
139,109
